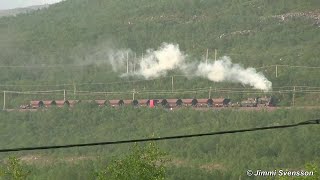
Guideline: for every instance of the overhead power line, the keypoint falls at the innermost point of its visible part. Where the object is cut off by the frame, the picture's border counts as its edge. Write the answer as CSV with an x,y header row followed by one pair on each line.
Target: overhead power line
x,y
91,83
312,67
280,90
44,66
309,122
86,65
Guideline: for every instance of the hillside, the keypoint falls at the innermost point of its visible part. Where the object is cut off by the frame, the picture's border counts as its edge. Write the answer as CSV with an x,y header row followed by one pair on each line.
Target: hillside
x,y
68,44
14,12
252,33
213,157
77,47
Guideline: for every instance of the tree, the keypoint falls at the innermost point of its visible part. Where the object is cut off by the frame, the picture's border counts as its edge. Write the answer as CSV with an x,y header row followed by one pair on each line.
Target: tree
x,y
309,167
142,163
13,169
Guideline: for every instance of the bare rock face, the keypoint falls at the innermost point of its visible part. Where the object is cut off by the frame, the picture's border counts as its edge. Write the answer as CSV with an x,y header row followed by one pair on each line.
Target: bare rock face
x,y
241,32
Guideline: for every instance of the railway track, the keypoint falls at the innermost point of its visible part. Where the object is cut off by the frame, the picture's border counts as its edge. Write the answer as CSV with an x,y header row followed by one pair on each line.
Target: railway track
x,y
194,108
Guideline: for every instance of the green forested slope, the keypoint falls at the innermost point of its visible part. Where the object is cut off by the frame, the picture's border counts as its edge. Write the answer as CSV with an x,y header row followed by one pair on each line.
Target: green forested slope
x,y
79,32
211,157
73,31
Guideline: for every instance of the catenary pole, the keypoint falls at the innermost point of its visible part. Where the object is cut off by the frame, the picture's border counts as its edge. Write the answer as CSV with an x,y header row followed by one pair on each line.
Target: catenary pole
x,y
4,100
207,56
215,54
127,62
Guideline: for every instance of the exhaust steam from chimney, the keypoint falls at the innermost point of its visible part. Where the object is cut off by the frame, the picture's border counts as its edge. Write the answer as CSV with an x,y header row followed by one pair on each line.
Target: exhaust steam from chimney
x,y
156,63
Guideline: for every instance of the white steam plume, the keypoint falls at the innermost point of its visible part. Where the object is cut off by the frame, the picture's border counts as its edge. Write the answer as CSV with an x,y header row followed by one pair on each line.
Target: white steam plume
x,y
117,59
224,70
168,57
157,63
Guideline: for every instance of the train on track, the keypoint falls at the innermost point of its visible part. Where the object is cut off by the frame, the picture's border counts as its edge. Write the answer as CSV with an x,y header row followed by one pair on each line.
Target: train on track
x,y
167,103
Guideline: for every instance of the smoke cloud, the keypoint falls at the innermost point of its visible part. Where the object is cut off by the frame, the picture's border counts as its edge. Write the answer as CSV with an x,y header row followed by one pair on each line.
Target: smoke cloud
x,y
223,70
117,59
168,57
157,63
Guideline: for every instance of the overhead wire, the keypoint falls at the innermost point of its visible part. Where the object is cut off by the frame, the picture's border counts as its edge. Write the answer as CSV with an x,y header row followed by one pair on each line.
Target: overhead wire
x,y
44,66
182,91
309,122
84,65
33,85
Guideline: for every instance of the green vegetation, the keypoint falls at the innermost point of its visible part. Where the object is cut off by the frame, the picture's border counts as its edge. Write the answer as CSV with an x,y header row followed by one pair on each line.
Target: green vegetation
x,y
69,34
310,168
14,169
76,35
141,163
218,157
81,32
